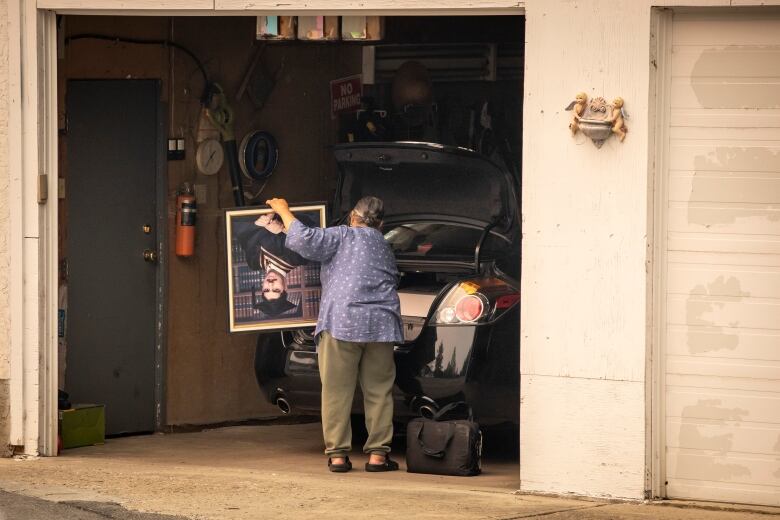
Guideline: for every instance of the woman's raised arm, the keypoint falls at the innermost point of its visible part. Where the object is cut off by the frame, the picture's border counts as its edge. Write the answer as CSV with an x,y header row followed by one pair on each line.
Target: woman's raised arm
x,y
312,243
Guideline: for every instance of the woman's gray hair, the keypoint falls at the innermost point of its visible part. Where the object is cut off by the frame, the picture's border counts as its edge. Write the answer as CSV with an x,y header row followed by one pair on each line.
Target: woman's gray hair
x,y
370,211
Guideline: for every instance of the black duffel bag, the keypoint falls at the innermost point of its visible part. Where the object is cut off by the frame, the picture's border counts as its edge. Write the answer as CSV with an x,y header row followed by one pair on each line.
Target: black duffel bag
x,y
440,447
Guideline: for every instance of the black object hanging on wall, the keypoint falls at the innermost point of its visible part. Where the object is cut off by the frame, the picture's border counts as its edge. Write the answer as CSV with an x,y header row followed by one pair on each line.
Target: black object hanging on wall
x,y
258,155
221,115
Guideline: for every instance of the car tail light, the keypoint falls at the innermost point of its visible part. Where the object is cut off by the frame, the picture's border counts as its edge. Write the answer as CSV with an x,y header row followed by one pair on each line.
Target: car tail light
x,y
469,308
479,300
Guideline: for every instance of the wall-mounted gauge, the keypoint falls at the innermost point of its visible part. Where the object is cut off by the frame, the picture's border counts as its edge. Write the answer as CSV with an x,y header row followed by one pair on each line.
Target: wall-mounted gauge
x,y
209,157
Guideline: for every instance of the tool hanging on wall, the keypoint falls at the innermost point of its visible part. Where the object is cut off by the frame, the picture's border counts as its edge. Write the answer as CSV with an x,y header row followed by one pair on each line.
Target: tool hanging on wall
x,y
186,213
258,155
221,115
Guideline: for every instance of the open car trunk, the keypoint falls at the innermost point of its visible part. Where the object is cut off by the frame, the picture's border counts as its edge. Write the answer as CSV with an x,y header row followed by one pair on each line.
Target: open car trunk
x,y
441,203
418,179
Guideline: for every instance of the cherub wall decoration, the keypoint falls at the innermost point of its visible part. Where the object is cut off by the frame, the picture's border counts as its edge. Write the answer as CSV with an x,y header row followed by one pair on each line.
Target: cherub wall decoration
x,y
598,119
578,105
618,119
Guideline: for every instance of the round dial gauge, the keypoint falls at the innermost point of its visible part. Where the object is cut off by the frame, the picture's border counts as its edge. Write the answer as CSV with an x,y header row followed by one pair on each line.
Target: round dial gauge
x,y
209,157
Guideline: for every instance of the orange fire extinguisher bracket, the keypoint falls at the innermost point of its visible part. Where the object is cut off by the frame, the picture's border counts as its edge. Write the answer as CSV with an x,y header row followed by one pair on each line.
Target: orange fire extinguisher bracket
x,y
186,215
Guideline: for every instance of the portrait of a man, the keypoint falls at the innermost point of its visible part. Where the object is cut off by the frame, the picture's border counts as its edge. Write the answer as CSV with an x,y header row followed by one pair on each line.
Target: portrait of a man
x,y
270,285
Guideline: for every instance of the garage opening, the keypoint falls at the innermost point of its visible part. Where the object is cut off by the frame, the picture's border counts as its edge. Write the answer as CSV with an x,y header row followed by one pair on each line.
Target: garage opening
x,y
145,321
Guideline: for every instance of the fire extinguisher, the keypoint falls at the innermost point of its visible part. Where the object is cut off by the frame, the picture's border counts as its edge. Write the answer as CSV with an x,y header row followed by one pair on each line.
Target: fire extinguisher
x,y
186,212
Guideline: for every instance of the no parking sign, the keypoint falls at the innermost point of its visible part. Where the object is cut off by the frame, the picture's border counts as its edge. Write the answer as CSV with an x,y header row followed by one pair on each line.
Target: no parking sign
x,y
345,94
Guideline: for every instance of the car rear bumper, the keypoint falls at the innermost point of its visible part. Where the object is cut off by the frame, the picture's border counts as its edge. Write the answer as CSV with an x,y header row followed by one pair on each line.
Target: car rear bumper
x,y
475,364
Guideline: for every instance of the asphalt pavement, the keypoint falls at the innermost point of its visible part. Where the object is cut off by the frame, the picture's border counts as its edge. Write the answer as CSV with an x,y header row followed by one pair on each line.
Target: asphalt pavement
x,y
19,507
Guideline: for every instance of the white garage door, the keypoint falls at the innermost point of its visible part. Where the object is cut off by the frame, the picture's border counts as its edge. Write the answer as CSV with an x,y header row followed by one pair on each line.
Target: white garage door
x,y
722,276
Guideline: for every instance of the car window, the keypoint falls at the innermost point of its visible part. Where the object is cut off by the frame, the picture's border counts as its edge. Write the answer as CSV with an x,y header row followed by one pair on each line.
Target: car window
x,y
426,239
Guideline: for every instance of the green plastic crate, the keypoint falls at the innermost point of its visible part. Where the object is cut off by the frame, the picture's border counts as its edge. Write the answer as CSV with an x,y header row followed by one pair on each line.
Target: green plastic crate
x,y
83,425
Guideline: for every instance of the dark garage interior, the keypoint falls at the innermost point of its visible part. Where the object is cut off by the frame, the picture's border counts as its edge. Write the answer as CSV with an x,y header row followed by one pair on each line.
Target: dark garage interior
x,y
172,363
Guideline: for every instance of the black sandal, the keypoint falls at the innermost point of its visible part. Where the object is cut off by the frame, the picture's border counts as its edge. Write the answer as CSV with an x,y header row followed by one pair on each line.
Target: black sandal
x,y
339,468
387,465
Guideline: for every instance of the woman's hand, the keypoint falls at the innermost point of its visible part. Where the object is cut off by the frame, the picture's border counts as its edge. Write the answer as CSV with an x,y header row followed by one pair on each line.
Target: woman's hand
x,y
282,209
264,220
271,223
278,205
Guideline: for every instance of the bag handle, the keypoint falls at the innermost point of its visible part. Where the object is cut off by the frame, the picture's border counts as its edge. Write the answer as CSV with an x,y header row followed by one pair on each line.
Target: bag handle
x,y
450,407
434,452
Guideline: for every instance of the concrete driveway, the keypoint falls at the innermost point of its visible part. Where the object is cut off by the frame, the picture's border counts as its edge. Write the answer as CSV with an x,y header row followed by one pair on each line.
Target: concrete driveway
x,y
278,471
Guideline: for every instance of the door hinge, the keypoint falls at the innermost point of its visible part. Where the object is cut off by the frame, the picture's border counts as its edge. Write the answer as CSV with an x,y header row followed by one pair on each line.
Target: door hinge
x,y
43,188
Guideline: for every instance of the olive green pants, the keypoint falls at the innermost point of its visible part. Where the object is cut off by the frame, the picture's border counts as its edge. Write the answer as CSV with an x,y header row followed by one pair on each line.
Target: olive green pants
x,y
342,365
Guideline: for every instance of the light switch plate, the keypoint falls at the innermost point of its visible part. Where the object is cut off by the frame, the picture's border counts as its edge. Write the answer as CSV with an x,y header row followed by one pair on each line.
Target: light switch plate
x,y
200,193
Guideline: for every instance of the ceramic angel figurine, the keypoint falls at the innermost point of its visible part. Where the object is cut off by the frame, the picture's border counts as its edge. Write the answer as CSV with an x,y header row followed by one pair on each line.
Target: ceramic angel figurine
x,y
578,105
618,119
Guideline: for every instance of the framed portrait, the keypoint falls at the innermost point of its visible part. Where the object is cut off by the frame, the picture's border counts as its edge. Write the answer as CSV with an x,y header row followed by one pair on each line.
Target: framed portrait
x,y
270,287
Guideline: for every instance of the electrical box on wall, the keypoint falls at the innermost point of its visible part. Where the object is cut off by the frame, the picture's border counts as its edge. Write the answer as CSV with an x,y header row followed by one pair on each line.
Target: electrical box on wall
x,y
176,149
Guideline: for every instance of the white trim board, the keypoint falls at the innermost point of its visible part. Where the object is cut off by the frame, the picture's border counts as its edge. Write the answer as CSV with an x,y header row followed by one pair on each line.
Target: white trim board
x,y
16,265
295,7
127,5
48,413
380,7
659,134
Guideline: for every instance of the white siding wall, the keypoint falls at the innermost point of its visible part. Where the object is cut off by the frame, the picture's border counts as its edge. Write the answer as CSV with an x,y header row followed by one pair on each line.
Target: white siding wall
x,y
585,213
586,224
4,260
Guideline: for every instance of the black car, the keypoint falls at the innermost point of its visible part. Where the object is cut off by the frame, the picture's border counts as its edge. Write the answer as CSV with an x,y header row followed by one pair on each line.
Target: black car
x,y
452,221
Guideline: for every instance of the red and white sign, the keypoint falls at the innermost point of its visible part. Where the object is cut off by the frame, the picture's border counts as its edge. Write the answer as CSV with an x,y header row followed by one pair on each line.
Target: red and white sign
x,y
345,94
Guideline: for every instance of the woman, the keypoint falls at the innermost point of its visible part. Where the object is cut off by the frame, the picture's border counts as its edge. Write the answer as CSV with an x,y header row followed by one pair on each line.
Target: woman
x,y
358,325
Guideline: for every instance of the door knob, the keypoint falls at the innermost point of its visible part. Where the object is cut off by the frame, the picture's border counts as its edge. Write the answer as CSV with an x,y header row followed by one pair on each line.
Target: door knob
x,y
150,256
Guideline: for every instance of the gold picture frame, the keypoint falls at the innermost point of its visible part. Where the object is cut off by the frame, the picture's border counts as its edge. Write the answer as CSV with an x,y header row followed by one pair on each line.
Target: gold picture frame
x,y
269,286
